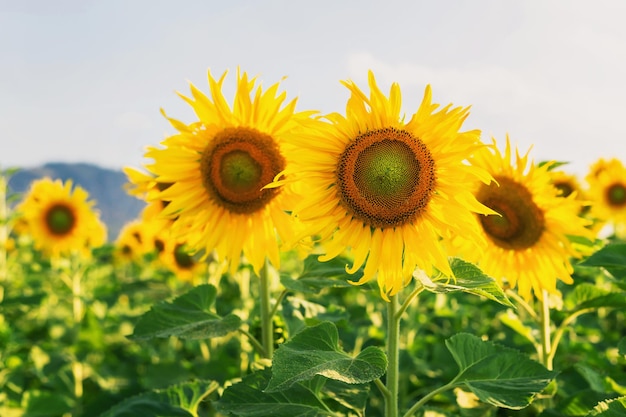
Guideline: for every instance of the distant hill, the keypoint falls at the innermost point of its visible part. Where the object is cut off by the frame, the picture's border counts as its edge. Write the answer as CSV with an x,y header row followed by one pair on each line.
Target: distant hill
x,y
105,187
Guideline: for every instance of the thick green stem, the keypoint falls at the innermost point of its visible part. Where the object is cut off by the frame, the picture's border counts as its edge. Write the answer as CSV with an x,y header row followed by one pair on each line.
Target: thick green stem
x,y
546,347
393,356
267,324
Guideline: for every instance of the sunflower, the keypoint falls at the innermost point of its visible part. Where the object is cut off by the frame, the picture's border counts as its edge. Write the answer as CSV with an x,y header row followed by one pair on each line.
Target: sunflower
x,y
526,244
59,219
386,190
607,192
134,241
565,183
217,167
180,261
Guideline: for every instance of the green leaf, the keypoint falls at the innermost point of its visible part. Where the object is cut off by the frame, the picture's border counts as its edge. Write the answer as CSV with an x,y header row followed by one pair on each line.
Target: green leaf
x,y
46,403
351,396
498,375
593,378
587,295
610,408
176,401
317,275
621,346
612,257
188,317
315,351
247,399
515,322
470,279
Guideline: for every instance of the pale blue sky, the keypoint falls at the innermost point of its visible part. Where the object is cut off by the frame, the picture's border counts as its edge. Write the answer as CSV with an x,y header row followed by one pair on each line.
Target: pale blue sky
x,y
84,80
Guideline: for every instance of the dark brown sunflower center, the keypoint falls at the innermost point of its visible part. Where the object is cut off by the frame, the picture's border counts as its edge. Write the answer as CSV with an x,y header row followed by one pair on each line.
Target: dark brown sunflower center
x,y
521,223
237,164
616,195
386,177
159,245
182,257
60,219
564,188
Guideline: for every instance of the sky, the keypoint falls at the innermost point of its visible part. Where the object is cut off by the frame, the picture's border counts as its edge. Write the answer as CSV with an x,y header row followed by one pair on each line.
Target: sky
x,y
84,80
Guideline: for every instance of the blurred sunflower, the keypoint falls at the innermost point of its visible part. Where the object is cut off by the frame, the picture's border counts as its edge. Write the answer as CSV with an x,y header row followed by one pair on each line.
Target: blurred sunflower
x,y
607,192
385,189
527,244
59,219
133,241
217,169
565,183
180,261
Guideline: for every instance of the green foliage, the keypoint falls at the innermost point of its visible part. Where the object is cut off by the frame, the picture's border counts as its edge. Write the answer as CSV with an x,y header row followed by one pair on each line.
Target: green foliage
x,y
470,279
176,401
315,351
187,317
611,408
191,349
497,375
612,257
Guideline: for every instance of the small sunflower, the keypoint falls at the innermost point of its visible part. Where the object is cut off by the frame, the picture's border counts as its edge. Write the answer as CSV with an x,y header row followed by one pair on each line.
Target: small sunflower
x,y
527,243
59,219
565,183
607,192
133,241
180,261
217,167
386,189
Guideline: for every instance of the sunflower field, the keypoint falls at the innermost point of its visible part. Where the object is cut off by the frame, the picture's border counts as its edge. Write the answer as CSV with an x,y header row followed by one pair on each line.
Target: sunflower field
x,y
288,263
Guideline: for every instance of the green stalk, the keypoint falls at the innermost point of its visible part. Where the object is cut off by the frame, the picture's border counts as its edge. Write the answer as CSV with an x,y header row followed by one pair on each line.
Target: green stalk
x,y
77,315
393,356
430,395
267,324
546,347
558,334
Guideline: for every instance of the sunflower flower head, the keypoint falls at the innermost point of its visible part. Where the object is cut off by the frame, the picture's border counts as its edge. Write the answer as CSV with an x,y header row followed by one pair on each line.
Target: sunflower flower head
x,y
384,189
216,169
526,243
60,218
607,191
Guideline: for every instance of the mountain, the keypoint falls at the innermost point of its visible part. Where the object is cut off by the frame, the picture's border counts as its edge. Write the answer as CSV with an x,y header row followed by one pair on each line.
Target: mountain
x,y
105,187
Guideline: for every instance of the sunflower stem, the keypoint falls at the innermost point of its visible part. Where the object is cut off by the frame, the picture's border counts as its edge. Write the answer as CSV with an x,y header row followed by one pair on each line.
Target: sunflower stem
x,y
267,324
393,355
77,315
546,347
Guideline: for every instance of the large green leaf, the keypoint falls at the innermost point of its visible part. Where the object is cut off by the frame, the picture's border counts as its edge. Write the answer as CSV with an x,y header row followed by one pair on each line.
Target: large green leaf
x,y
46,403
496,374
351,396
470,279
189,316
612,257
587,295
610,408
315,351
247,399
180,400
317,275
